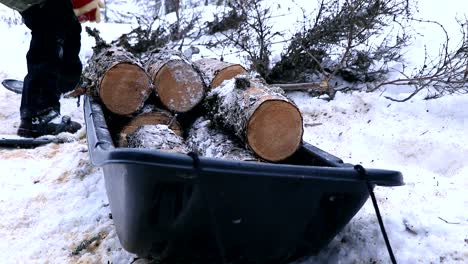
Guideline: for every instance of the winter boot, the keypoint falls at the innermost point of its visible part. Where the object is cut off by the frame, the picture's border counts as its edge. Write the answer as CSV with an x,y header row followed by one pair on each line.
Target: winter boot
x,y
50,123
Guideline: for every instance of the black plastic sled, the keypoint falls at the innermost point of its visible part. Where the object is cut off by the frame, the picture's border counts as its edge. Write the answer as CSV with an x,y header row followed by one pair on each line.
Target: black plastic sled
x,y
187,209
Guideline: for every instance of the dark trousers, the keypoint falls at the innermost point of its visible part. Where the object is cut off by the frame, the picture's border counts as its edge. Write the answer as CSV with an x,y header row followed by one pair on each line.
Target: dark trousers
x,y
54,66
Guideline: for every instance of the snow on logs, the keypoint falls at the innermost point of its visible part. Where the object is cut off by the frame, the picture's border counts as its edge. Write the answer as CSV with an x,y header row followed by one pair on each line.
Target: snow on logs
x,y
150,116
159,137
119,80
209,141
177,84
261,116
215,72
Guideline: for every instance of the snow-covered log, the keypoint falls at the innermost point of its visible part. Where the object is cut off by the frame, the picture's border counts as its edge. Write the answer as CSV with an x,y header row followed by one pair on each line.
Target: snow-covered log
x,y
215,72
261,116
159,137
208,141
117,77
152,116
178,85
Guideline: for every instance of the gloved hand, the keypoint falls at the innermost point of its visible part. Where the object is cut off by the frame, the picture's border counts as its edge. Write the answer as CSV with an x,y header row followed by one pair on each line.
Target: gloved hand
x,y
88,10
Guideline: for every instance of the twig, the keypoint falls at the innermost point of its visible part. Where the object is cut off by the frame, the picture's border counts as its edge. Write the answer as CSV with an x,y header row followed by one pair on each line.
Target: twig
x,y
451,223
100,43
85,244
312,124
424,133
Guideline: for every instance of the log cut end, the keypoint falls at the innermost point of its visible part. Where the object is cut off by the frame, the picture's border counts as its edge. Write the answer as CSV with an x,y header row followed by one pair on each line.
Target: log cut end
x,y
179,87
124,80
275,130
227,74
152,118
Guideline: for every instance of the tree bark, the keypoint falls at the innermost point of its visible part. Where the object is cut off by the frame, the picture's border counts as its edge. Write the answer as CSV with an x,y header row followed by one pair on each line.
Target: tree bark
x,y
178,85
117,78
171,6
150,117
261,116
159,137
208,141
215,72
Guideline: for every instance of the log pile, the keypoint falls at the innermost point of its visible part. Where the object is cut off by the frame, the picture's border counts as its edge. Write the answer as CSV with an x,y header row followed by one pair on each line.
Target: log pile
x,y
242,118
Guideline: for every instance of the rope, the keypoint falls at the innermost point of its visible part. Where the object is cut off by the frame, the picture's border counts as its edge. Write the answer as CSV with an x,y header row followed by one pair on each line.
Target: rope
x,y
362,172
219,245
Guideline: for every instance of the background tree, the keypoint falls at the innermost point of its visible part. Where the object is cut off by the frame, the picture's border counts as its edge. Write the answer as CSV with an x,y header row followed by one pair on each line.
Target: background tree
x,y
246,26
341,42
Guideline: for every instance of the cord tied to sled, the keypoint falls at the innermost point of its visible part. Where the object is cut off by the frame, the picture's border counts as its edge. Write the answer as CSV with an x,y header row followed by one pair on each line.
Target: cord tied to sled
x,y
362,172
217,235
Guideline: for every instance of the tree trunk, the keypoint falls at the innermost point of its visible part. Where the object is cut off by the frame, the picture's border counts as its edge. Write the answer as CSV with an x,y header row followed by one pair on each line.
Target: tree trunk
x,y
208,141
118,79
261,116
171,6
152,117
159,137
215,72
178,85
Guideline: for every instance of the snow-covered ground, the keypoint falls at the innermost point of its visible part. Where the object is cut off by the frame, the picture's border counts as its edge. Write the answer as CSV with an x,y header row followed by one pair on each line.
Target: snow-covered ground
x,y
53,201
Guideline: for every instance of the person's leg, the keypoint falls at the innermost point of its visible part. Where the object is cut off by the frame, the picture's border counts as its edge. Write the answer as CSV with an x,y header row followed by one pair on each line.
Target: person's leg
x,y
70,63
40,84
52,60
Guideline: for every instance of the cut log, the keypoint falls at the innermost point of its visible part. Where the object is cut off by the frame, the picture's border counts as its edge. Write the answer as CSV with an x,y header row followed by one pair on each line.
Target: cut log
x,y
215,72
261,116
149,117
177,84
208,141
118,79
159,137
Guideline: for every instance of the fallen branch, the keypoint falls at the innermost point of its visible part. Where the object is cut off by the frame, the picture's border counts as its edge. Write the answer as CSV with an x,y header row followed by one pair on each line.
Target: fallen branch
x,y
451,223
322,86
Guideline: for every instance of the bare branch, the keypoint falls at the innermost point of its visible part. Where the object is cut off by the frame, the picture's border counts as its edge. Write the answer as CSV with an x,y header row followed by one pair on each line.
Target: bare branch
x,y
445,74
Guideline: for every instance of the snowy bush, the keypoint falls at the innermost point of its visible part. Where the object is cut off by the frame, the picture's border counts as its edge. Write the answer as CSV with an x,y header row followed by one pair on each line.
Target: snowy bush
x,y
353,39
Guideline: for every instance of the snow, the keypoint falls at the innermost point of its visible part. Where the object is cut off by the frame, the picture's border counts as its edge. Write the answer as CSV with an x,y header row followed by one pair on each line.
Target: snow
x,y
191,88
425,140
208,141
53,200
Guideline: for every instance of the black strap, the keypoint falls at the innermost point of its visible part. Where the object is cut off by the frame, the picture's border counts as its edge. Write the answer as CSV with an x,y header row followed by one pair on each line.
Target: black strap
x,y
360,169
214,225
